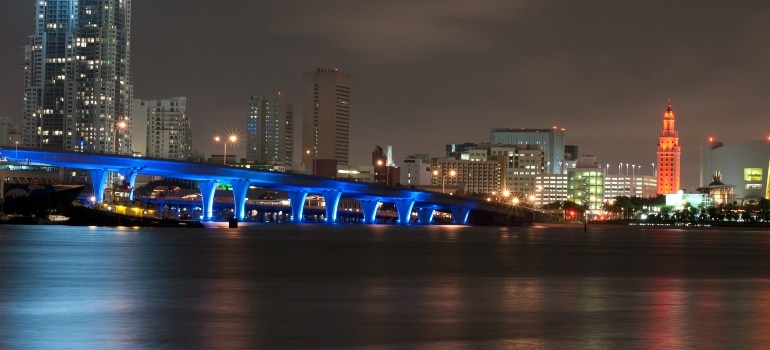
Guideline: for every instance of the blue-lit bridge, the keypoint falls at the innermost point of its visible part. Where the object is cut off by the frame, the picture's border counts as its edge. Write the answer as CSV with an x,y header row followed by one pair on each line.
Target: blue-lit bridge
x,y
298,186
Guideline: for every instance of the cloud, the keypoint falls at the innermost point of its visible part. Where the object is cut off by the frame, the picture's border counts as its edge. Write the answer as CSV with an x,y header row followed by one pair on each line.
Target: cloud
x,y
398,30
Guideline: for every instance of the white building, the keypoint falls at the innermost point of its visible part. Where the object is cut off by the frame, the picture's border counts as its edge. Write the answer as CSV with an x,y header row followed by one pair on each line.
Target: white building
x,y
161,128
471,176
415,172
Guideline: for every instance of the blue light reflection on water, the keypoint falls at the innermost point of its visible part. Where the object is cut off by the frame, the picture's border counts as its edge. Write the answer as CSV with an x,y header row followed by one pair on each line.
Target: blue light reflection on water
x,y
304,286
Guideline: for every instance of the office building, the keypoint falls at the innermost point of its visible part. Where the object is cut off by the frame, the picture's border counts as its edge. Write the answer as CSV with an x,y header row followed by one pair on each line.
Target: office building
x,y
325,117
270,130
467,176
161,128
669,153
77,80
585,184
415,171
551,141
744,165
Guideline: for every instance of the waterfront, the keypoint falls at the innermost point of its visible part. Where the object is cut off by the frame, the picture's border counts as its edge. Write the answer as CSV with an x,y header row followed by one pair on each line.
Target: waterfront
x,y
356,286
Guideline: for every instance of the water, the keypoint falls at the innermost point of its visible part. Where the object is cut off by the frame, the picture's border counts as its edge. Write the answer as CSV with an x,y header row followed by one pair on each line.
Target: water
x,y
283,286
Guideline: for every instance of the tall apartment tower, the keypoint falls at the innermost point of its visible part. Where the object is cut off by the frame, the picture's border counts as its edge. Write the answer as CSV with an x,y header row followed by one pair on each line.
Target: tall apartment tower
x,y
270,130
161,128
325,116
77,83
668,154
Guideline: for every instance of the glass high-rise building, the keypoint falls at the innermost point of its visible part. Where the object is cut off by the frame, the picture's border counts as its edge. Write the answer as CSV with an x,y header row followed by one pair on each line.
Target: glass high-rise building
x,y
325,116
77,81
270,130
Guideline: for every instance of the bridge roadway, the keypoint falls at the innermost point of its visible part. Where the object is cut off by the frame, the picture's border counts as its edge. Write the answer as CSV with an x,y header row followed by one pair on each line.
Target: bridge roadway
x,y
298,186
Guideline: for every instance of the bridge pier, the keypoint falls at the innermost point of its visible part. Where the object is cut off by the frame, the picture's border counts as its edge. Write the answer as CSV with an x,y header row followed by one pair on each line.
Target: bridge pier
x,y
404,207
425,215
207,198
129,178
460,215
240,188
332,199
369,207
99,182
297,199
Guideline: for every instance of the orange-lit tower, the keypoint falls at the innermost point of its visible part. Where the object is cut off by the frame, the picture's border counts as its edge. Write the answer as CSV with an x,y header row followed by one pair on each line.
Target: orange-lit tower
x,y
668,155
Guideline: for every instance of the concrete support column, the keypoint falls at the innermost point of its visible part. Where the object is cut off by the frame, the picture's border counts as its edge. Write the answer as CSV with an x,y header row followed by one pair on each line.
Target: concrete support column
x,y
404,207
129,178
460,215
297,199
332,199
240,187
99,182
207,197
425,215
369,207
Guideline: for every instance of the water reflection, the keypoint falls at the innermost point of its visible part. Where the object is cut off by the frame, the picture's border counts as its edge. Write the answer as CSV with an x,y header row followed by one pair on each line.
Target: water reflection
x,y
346,286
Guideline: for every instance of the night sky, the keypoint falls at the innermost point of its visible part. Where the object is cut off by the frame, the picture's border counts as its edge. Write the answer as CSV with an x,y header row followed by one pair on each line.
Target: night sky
x,y
428,73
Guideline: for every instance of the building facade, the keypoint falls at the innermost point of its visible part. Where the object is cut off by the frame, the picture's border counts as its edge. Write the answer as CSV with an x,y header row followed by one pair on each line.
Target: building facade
x,y
551,141
163,126
745,165
669,153
325,116
415,171
270,130
467,175
77,80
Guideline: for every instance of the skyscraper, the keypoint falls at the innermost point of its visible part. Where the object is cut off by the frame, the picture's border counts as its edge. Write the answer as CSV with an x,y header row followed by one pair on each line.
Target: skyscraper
x,y
668,155
325,116
77,82
270,130
161,128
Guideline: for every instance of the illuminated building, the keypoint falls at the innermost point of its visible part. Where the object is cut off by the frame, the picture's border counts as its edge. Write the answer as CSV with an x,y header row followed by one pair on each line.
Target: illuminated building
x,y
77,84
551,141
585,184
161,129
466,176
270,130
668,155
325,116
744,165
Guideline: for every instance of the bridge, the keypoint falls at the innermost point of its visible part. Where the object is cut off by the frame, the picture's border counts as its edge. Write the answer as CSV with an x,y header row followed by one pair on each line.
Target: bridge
x,y
298,186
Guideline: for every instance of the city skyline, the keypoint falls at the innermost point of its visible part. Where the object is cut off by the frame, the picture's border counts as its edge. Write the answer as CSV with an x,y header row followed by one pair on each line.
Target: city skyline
x,y
427,74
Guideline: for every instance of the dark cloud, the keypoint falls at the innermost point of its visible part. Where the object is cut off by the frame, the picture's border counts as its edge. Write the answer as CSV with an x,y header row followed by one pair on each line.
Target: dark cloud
x,y
427,73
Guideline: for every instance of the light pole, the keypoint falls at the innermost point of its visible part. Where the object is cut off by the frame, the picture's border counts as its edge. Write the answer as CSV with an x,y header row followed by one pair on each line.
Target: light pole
x,y
119,125
653,169
626,168
231,138
17,151
620,166
443,177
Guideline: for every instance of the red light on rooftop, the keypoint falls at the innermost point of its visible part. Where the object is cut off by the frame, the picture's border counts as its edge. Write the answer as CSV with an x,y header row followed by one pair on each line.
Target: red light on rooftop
x,y
711,139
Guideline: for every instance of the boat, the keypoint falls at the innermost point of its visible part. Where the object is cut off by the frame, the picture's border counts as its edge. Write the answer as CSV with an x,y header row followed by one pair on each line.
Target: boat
x,y
29,199
84,216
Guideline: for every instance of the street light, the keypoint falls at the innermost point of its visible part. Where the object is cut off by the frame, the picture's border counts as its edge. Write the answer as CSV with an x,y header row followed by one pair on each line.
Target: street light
x,y
653,169
119,125
443,177
231,138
